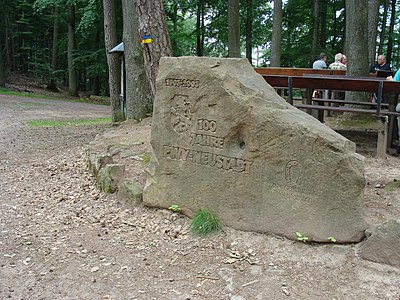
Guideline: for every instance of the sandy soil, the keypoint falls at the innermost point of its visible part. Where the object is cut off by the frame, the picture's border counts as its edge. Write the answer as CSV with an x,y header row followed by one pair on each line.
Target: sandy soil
x,y
60,238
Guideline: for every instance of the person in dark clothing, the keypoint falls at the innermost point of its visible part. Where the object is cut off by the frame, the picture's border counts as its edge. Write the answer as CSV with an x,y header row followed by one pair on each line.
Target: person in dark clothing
x,y
380,65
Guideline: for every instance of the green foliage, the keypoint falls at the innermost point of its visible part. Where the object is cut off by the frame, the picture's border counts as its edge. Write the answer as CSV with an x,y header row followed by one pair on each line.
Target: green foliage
x,y
5,91
151,244
332,239
175,208
76,122
301,237
204,222
357,121
146,157
394,185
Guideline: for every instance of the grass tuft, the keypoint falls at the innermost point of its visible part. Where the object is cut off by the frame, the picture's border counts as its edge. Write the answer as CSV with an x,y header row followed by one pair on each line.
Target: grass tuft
x,y
204,222
146,157
393,185
75,122
97,100
357,121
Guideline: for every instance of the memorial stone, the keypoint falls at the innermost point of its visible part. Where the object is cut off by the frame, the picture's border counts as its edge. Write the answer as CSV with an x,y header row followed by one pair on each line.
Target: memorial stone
x,y
225,141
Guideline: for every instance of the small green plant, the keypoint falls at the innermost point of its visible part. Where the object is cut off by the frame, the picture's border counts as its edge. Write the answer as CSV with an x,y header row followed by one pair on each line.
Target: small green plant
x,y
204,222
301,237
393,185
332,239
151,244
360,120
146,157
175,208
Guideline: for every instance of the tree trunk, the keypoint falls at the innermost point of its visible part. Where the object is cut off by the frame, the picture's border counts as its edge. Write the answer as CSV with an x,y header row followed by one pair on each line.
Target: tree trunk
x,y
383,25
2,71
72,76
391,28
152,22
373,14
314,31
174,19
114,65
96,84
233,29
200,28
52,83
334,27
276,35
323,13
138,97
345,41
249,31
357,38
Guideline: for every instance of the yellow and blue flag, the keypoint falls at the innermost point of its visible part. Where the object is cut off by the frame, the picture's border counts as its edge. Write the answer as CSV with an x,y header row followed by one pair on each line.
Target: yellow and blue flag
x,y
145,39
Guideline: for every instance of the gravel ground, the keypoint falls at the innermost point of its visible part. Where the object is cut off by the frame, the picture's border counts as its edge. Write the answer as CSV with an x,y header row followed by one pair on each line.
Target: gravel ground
x,y
63,239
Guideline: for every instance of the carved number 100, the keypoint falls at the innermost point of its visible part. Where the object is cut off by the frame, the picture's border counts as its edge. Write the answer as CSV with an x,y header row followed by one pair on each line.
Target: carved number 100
x,y
206,125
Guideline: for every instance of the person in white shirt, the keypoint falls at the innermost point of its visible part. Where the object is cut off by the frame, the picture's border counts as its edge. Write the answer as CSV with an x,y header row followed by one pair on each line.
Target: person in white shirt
x,y
321,62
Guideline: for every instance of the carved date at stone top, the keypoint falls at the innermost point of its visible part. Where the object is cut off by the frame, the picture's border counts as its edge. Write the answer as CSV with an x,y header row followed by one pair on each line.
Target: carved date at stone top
x,y
188,83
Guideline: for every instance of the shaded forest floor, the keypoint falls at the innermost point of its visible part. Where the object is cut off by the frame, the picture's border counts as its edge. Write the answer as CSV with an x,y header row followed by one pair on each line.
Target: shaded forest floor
x,y
63,239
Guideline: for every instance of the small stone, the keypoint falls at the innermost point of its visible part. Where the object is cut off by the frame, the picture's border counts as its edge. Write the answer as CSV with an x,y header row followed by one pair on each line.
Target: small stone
x,y
285,291
94,269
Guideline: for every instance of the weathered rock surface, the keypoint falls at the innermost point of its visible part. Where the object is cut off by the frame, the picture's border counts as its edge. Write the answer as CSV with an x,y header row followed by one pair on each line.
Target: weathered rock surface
x,y
225,141
382,244
130,192
110,176
115,158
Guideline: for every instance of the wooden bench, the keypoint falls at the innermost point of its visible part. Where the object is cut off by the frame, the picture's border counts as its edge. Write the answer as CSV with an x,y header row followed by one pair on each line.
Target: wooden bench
x,y
311,79
298,71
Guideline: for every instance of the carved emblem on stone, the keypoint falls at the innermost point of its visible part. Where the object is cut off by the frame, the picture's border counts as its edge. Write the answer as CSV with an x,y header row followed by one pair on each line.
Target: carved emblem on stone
x,y
293,173
181,114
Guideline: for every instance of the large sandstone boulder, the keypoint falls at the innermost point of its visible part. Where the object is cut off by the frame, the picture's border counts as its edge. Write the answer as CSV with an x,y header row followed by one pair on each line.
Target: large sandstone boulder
x,y
223,140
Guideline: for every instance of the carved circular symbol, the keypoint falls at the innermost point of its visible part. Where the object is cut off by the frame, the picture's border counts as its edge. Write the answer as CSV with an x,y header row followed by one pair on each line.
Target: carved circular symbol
x,y
293,173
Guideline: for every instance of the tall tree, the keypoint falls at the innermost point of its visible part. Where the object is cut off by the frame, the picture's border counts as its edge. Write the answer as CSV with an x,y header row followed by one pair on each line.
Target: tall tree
x,y
391,29
114,66
2,71
315,30
323,8
72,76
249,30
2,42
233,29
52,83
139,101
383,26
152,22
200,27
276,35
373,15
357,37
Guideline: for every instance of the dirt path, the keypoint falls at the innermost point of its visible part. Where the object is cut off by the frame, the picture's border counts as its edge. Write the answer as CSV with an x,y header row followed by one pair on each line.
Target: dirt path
x,y
62,239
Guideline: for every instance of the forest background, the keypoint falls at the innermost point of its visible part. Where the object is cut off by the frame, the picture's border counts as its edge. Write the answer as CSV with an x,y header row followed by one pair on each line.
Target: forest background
x,y
65,42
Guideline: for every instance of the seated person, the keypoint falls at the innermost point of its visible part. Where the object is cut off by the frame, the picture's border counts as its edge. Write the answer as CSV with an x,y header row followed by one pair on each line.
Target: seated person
x,y
338,65
321,62
380,65
397,78
344,60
